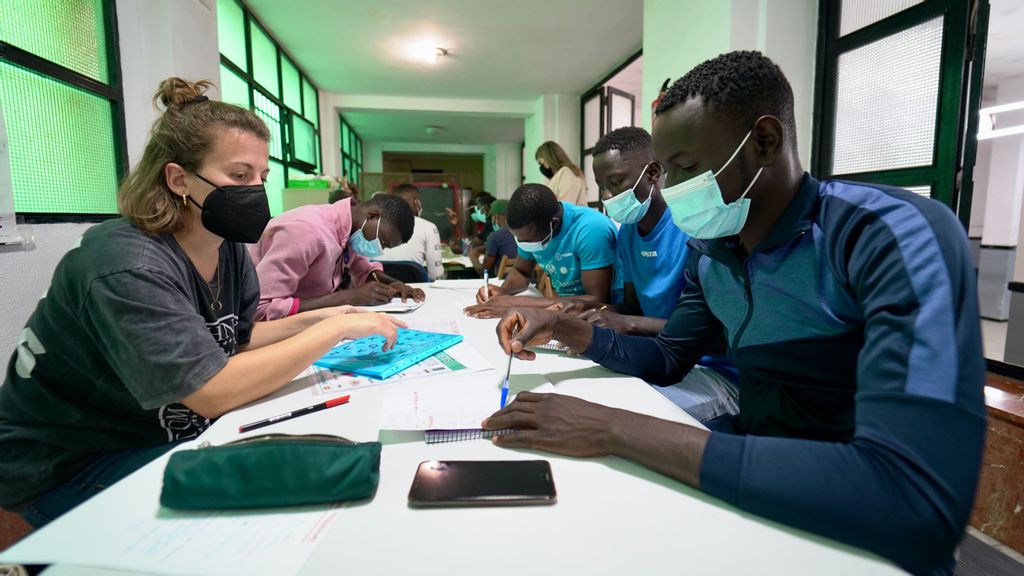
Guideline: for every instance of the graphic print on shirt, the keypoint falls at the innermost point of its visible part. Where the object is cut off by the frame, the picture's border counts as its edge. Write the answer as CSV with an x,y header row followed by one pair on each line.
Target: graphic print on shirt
x,y
224,331
181,423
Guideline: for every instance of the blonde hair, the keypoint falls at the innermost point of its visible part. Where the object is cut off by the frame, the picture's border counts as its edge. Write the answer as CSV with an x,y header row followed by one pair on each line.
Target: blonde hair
x,y
182,134
556,158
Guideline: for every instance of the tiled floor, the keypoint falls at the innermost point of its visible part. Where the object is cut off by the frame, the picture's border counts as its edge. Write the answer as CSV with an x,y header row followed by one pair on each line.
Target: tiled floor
x,y
993,334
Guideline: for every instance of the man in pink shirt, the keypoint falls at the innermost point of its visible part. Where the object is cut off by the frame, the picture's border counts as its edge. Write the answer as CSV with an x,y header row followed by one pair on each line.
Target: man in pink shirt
x,y
316,256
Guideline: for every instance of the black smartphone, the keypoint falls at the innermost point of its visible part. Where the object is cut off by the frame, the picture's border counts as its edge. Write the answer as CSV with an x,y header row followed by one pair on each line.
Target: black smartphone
x,y
482,483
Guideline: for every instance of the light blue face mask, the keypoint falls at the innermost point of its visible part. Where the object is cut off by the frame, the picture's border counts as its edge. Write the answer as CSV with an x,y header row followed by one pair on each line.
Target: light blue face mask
x,y
625,208
698,208
362,246
532,247
478,215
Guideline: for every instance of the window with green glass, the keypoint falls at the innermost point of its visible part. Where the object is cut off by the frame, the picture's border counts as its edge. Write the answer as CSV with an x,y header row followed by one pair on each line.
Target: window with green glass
x,y
63,123
233,88
351,150
256,72
291,82
231,33
264,59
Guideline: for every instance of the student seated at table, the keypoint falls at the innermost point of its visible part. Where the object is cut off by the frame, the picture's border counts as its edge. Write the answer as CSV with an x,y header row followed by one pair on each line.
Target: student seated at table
x,y
318,256
574,245
652,256
501,242
851,312
147,331
424,247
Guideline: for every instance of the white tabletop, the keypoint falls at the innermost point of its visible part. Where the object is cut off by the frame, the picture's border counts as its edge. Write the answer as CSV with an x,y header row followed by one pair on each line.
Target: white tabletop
x,y
612,516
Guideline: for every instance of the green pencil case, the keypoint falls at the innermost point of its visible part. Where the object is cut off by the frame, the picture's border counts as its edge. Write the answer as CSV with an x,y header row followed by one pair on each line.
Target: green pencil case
x,y
271,470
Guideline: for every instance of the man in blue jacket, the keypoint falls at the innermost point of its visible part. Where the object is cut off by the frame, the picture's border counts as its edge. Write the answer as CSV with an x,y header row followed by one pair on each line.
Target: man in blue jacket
x,y
850,310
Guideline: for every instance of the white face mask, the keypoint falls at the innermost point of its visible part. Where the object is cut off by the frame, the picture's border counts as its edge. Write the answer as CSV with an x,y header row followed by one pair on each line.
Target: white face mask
x,y
698,208
532,247
625,208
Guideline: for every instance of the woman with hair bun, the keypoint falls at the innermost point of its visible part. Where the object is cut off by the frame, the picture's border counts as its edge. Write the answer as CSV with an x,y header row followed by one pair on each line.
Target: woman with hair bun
x,y
147,331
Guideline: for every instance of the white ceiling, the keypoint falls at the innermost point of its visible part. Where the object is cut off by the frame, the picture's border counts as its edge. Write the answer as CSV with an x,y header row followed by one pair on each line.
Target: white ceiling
x,y
1005,51
499,49
454,129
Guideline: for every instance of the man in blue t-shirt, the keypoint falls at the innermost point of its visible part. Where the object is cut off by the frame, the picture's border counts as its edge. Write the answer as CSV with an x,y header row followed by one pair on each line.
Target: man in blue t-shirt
x,y
574,245
501,243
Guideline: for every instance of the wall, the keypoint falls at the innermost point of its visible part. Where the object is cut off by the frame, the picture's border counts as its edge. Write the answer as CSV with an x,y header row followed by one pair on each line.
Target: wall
x,y
470,168
784,30
26,276
158,38
501,161
555,117
162,38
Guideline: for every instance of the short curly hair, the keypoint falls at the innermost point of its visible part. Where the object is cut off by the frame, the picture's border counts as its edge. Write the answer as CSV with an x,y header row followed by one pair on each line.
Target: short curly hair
x,y
625,140
742,86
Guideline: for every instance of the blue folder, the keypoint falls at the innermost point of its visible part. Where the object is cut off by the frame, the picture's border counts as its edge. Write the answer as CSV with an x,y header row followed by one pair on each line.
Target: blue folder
x,y
364,356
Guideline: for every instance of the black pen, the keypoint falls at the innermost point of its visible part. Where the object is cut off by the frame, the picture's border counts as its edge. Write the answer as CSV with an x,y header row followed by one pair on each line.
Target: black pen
x,y
295,413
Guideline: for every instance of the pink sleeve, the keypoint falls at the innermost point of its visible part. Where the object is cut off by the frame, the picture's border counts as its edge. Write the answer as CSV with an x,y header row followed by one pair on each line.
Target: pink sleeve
x,y
361,268
285,261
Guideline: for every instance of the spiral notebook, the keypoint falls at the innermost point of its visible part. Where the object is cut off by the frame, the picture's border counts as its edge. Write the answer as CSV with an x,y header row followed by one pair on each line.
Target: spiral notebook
x,y
365,358
441,436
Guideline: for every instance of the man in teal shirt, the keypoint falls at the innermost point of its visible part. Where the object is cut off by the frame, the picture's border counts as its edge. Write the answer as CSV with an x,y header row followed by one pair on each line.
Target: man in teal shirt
x,y
574,245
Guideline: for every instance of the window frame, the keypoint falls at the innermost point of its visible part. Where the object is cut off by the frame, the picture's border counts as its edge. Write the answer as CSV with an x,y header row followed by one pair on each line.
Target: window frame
x,y
285,136
355,143
111,92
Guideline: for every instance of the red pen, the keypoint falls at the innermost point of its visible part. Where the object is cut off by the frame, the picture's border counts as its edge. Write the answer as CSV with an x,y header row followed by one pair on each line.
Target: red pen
x,y
295,413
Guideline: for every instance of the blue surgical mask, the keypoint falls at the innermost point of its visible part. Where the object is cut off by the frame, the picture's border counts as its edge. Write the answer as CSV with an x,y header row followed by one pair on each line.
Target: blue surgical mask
x,y
477,215
532,247
698,208
625,208
362,246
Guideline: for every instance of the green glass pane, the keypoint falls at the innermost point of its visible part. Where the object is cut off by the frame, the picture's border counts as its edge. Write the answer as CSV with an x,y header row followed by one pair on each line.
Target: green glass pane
x,y
344,138
348,167
275,187
359,151
233,88
305,140
292,84
271,114
71,33
61,144
231,32
311,106
264,59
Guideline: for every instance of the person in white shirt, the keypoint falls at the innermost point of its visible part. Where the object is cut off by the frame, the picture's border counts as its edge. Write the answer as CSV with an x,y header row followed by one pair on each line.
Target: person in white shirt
x,y
565,179
425,245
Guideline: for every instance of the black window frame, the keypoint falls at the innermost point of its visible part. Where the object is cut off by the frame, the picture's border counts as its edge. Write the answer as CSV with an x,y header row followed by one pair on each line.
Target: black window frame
x,y
112,92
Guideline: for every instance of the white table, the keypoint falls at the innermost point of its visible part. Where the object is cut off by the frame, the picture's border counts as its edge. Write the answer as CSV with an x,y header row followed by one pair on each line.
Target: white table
x,y
612,516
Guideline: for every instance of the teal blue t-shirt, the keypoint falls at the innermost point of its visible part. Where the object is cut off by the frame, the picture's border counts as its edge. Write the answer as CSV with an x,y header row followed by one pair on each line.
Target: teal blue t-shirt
x,y
586,241
654,264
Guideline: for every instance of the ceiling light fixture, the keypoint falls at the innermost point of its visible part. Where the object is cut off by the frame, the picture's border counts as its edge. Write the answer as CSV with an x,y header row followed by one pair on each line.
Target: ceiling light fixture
x,y
987,125
433,130
426,52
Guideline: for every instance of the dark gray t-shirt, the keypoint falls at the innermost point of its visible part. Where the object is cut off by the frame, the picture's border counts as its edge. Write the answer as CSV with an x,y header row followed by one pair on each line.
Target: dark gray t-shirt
x,y
126,330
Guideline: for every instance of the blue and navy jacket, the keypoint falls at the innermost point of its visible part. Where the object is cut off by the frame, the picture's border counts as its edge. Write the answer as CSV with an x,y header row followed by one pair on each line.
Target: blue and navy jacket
x,y
855,329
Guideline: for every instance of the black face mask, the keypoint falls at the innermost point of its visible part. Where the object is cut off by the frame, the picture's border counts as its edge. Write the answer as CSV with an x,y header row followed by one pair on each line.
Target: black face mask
x,y
547,172
236,213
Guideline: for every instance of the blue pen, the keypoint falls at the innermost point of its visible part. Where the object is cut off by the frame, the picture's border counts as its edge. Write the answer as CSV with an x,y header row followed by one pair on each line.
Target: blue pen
x,y
508,373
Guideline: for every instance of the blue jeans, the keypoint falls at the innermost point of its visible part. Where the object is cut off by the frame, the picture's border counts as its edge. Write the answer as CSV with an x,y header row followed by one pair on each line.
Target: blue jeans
x,y
90,481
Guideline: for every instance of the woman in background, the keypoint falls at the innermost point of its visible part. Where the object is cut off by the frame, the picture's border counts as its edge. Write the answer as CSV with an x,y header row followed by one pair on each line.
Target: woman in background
x,y
565,178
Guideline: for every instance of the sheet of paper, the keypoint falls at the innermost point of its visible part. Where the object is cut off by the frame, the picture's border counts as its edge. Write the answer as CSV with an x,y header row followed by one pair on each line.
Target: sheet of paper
x,y
396,305
441,325
456,285
451,404
461,359
147,538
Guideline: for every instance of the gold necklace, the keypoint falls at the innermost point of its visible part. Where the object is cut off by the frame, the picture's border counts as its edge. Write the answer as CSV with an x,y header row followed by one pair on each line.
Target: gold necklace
x,y
215,304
